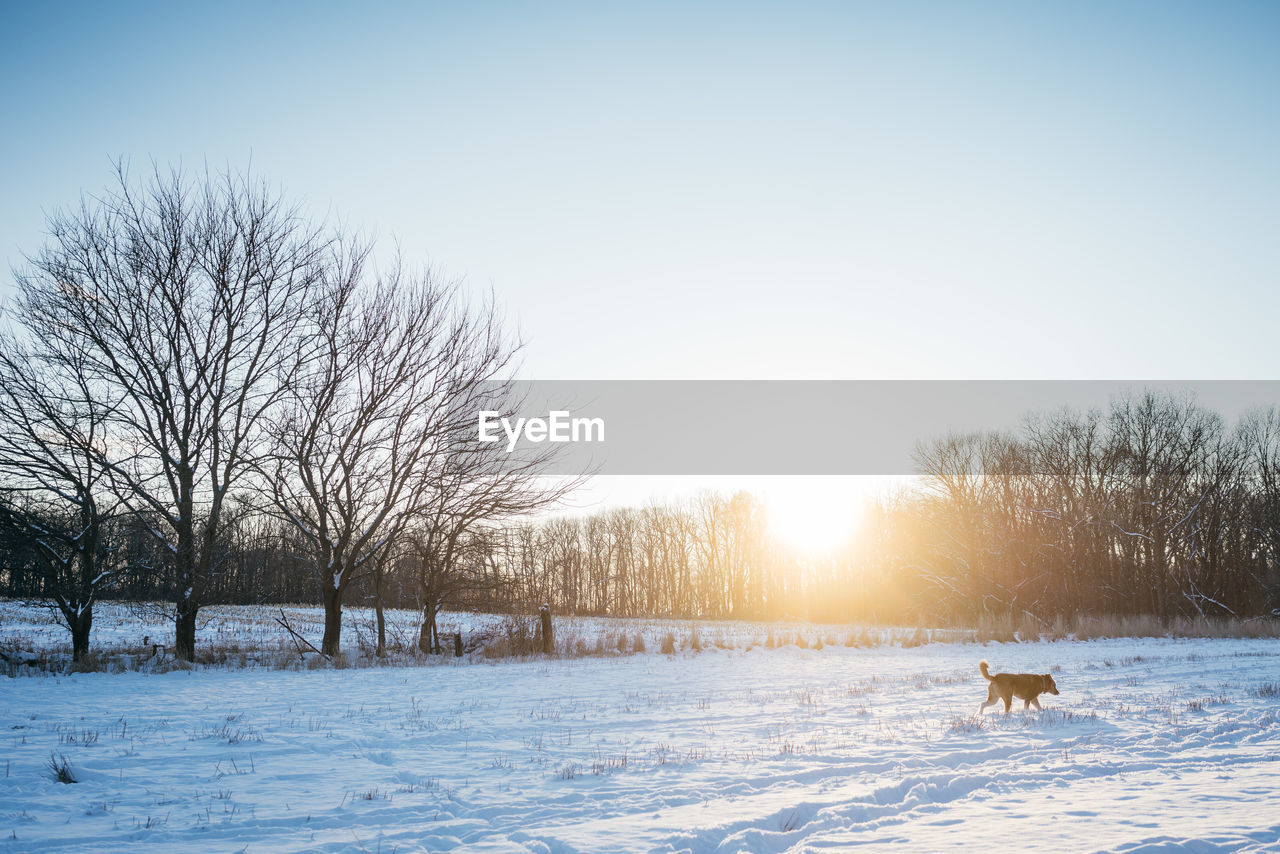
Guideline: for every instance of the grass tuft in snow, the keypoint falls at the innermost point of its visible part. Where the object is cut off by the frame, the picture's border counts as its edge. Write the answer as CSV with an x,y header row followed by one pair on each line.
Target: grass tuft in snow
x,y
60,769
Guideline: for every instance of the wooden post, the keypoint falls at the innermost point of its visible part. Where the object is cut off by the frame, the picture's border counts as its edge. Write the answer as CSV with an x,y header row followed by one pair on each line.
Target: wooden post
x,y
548,641
457,644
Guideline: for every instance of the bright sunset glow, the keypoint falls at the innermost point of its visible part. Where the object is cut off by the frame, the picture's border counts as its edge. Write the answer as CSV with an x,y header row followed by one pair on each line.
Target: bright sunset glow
x,y
814,516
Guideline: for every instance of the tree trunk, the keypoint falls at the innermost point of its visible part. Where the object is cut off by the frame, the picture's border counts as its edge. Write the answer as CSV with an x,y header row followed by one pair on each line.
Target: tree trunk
x,y
184,643
332,597
548,640
424,633
80,625
428,637
185,571
377,608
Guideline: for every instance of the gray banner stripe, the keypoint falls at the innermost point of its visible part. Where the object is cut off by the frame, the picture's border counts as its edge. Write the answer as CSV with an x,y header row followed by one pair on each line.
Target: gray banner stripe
x,y
855,427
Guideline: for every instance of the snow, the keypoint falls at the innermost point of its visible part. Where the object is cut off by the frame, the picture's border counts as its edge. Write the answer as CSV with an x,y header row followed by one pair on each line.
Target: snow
x,y
1153,745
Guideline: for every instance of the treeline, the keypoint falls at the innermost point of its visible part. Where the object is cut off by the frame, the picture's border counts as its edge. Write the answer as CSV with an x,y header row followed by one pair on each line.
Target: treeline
x,y
708,557
1153,507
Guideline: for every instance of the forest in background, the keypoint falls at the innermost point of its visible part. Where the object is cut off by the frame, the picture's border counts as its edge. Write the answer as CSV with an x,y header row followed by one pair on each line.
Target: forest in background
x,y
1154,508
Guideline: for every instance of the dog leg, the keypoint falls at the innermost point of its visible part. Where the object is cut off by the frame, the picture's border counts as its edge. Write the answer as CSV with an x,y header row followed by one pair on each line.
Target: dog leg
x,y
1036,700
992,693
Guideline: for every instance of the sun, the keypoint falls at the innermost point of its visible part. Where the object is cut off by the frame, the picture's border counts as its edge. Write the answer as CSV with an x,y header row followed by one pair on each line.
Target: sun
x,y
817,517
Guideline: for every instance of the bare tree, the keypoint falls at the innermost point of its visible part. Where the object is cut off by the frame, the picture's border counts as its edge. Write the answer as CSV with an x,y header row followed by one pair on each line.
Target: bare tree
x,y
182,296
52,428
381,426
469,487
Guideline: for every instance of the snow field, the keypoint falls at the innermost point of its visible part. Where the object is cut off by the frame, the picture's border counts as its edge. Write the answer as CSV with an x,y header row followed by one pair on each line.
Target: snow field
x,y
1153,745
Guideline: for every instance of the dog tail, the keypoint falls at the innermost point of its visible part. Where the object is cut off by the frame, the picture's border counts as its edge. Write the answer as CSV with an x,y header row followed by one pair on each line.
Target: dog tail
x,y
982,665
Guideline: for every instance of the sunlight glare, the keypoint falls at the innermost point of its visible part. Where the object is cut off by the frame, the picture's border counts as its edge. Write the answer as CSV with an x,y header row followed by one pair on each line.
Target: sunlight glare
x,y
817,517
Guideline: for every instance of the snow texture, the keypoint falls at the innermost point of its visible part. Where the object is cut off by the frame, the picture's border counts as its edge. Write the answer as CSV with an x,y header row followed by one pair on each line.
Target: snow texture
x,y
1152,746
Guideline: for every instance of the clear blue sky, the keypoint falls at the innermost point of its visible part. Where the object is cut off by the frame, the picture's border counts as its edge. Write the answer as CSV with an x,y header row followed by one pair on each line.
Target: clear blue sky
x,y
736,190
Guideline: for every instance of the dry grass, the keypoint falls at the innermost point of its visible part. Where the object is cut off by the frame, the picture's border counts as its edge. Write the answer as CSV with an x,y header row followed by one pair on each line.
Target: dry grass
x,y
1008,628
243,637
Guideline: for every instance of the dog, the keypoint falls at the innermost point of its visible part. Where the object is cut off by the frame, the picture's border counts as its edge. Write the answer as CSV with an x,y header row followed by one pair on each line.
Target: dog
x,y
1025,686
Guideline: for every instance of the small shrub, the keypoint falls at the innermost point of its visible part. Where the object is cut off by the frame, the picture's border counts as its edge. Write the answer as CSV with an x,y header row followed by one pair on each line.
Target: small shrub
x,y
638,646
694,643
801,642
669,644
1269,689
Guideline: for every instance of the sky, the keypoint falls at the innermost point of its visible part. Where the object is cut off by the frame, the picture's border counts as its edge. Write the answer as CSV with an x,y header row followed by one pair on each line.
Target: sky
x,y
725,190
